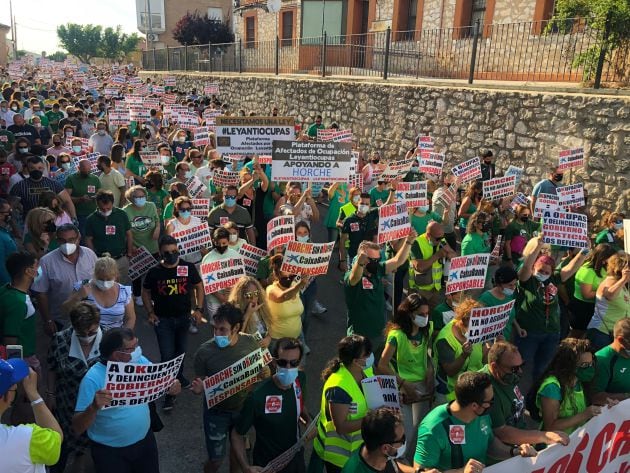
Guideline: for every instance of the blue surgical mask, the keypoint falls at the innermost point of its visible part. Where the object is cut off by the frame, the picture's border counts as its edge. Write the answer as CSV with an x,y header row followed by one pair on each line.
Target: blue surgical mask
x,y
140,201
303,239
618,226
76,149
541,277
222,341
286,376
423,208
508,291
184,213
369,361
136,355
230,201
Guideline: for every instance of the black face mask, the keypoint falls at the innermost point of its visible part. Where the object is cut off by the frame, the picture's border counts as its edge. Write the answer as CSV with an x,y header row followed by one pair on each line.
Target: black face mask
x,y
170,258
487,162
372,266
221,249
375,161
50,227
174,195
36,174
486,227
525,218
558,177
286,281
149,185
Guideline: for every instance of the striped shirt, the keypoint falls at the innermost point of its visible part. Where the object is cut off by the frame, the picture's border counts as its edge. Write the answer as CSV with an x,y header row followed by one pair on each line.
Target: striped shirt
x,y
29,191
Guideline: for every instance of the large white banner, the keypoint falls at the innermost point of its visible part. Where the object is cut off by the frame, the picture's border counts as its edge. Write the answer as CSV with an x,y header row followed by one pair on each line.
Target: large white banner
x,y
326,161
252,135
602,445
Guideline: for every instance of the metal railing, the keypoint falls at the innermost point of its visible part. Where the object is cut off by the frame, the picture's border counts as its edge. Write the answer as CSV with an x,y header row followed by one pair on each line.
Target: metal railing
x,y
528,51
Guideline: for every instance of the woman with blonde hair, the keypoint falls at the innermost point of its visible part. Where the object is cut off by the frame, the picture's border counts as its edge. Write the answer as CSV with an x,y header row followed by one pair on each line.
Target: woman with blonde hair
x,y
249,296
112,299
184,220
40,237
470,204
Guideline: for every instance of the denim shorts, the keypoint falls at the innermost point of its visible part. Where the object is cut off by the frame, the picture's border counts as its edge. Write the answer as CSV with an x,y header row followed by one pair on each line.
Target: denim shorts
x,y
217,425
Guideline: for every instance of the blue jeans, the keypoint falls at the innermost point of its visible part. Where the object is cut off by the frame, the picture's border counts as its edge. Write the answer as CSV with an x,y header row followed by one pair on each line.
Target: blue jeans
x,y
172,337
537,350
217,425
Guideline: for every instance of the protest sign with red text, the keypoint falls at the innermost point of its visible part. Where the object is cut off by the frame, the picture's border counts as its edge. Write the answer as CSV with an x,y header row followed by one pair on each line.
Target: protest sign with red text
x,y
309,259
251,256
565,229
487,323
467,272
468,170
393,222
280,230
221,274
190,240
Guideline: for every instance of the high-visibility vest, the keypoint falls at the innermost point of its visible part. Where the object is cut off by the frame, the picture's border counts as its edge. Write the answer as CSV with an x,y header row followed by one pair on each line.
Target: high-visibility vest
x,y
572,404
331,446
348,209
432,278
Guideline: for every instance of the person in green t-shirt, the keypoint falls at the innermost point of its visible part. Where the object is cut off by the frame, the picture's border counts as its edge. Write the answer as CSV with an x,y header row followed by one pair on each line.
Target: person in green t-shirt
x,y
155,192
337,197
54,117
318,125
459,434
611,233
537,306
82,187
476,239
444,312
7,139
612,378
175,189
421,217
379,194
505,280
518,232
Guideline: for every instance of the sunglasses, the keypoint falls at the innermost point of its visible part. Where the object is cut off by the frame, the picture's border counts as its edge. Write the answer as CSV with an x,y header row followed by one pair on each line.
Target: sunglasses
x,y
585,364
516,369
403,439
251,295
284,363
184,209
490,402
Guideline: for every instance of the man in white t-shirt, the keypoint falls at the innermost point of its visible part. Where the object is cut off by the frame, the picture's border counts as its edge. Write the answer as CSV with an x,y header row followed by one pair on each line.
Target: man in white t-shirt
x,y
26,448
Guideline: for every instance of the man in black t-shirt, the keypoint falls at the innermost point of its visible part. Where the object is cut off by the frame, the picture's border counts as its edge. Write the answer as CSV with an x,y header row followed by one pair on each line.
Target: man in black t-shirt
x,y
170,290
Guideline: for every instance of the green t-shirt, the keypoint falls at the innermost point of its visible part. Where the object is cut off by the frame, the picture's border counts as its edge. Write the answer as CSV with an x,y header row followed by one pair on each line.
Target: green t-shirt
x,y
109,234
359,229
7,140
420,222
53,120
474,243
273,412
509,403
356,464
136,166
489,300
441,315
518,234
264,270
378,198
312,130
339,198
608,236
613,372
158,199
168,211
16,318
80,186
441,433
366,303
587,275
143,222
537,305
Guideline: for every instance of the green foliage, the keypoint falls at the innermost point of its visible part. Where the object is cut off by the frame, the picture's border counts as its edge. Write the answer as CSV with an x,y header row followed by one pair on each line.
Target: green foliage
x,y
193,28
58,56
600,16
21,53
88,41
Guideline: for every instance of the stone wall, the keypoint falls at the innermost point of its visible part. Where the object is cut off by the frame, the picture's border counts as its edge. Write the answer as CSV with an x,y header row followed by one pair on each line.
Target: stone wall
x,y
524,128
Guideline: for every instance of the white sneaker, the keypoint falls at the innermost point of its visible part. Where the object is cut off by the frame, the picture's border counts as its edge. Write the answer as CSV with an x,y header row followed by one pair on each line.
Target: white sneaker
x,y
318,308
138,300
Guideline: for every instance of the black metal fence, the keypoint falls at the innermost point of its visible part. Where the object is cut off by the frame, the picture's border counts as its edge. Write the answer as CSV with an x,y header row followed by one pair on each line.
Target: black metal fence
x,y
529,51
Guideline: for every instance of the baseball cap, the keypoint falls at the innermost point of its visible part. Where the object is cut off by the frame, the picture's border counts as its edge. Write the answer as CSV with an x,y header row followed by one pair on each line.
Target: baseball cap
x,y
12,371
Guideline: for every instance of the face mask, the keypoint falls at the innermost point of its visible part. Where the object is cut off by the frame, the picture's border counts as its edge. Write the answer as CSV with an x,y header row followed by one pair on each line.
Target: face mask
x,y
68,133
181,139
511,379
557,177
37,125
618,226
222,341
364,208
369,361
105,213
221,249
76,149
423,208
586,374
303,239
356,199
230,201
140,201
36,174
541,277
486,227
508,291
400,451
135,355
104,285
165,160
372,267
191,109
65,166
174,195
525,218
233,237
286,282
487,161
414,169
23,150
421,320
56,143
68,248
101,132
185,214
188,174
170,258
86,340
14,108
286,376
149,185
375,161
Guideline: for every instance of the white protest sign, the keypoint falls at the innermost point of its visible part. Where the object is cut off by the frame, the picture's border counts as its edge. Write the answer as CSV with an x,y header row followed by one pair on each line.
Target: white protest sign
x,y
395,170
467,272
195,187
188,120
201,136
497,251
431,163
498,187
571,195
221,274
151,158
251,256
158,89
626,235
515,171
211,89
414,194
190,240
355,180
309,259
311,161
200,208
570,158
238,376
486,323
280,230
252,135
449,195
519,199
170,81
139,113
381,391
393,222
425,143
565,229
546,203
468,170
339,136
132,384
119,117
281,461
601,445
140,263
224,178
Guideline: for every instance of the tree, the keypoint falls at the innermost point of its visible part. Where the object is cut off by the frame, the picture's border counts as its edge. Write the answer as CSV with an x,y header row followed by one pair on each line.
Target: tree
x,y
58,56
193,28
115,44
599,15
82,41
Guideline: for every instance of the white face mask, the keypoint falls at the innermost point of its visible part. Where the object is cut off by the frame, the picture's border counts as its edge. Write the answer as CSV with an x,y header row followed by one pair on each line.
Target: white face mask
x,y
188,174
233,237
181,139
105,213
541,277
104,285
86,340
165,160
400,451
68,248
421,320
364,208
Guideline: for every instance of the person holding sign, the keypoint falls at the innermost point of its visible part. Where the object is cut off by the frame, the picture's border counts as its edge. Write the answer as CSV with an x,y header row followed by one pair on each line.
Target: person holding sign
x,y
275,409
518,232
343,404
184,220
230,211
537,309
221,251
454,353
408,338
505,280
440,207
470,204
122,439
458,437
612,232
547,186
477,239
227,347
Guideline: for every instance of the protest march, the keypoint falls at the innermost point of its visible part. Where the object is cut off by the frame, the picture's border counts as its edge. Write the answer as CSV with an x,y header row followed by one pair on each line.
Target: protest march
x,y
278,295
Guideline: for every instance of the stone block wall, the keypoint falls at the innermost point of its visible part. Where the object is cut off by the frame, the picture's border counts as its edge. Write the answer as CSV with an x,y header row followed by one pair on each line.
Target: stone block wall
x,y
524,128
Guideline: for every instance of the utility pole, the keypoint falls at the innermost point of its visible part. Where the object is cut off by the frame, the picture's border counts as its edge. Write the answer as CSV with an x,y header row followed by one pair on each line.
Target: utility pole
x,y
150,29
13,30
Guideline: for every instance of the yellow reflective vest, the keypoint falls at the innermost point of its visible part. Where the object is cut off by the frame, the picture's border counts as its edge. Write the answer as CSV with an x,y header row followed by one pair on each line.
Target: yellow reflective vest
x,y
430,279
